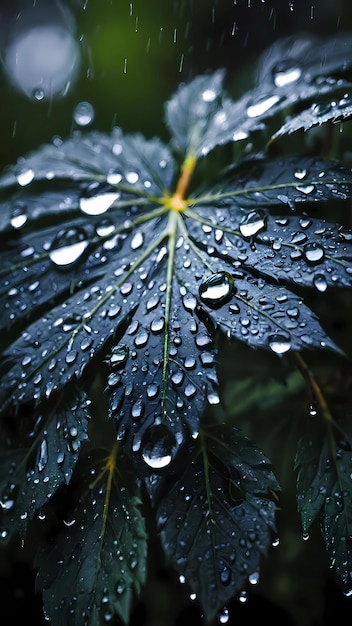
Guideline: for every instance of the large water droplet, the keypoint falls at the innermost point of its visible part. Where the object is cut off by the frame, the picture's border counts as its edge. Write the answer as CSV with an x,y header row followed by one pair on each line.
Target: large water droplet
x,y
217,289
159,446
24,176
262,105
279,342
83,113
286,72
68,246
320,282
314,253
252,224
97,200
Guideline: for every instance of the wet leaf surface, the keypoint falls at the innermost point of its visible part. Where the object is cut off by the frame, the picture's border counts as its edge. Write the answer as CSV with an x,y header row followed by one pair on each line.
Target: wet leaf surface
x,y
121,266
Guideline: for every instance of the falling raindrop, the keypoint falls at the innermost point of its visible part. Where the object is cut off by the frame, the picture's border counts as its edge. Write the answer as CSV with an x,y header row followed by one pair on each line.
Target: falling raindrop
x,y
252,224
217,289
68,246
286,72
83,114
279,342
159,446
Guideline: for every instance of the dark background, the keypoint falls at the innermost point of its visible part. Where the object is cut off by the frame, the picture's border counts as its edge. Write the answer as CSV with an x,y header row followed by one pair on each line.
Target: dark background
x,y
131,58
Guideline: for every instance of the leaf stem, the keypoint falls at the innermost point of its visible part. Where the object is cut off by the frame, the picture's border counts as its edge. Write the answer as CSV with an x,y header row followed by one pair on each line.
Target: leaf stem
x,y
186,175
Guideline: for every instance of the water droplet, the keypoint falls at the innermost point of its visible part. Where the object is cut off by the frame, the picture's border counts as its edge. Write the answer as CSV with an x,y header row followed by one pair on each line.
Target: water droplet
x,y
71,357
262,105
132,177
300,173
118,356
43,455
225,576
208,95
83,113
68,246
141,338
320,282
224,616
137,241
152,391
314,253
286,72
213,398
95,202
177,378
306,189
217,289
159,446
137,409
252,224
19,216
24,176
253,578
279,342
114,177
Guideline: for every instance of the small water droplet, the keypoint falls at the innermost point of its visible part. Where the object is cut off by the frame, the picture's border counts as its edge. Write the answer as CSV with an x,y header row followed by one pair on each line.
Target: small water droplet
x,y
306,189
279,342
300,173
225,576
320,282
39,94
217,289
113,177
152,391
83,113
132,177
43,455
68,246
137,241
137,409
224,616
141,338
253,578
262,105
119,355
19,216
208,95
252,224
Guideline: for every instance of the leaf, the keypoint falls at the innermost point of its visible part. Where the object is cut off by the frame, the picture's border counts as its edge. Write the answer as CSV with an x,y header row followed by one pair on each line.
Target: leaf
x,y
217,519
98,562
323,491
318,114
32,473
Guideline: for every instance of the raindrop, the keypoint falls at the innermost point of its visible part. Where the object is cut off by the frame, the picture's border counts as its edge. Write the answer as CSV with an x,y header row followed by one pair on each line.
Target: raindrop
x,y
83,113
24,176
314,253
39,94
159,446
19,217
253,578
137,241
279,342
320,282
95,203
118,356
262,105
217,289
300,173
137,409
252,224
152,391
224,616
286,72
141,339
68,246
114,178
132,177
43,455
306,189
213,398
209,95
71,357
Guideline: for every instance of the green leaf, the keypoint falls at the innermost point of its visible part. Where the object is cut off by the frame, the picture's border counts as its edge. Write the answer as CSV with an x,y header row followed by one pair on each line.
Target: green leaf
x,y
98,563
323,464
217,519
43,460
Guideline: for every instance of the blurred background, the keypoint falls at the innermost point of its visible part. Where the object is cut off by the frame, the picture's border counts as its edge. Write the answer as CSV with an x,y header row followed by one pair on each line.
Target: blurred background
x,y
118,61
94,64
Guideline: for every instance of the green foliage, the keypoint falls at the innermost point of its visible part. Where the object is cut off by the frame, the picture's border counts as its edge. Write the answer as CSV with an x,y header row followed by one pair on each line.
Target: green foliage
x,y
123,264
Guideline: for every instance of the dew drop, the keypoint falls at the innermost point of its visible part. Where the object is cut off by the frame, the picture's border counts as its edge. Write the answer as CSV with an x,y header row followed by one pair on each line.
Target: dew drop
x,y
159,446
285,73
224,616
83,113
252,224
217,289
262,105
279,342
314,253
68,246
